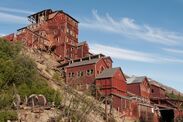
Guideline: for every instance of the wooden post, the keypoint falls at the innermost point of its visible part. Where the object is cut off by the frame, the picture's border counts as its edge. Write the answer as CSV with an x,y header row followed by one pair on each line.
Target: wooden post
x,y
106,115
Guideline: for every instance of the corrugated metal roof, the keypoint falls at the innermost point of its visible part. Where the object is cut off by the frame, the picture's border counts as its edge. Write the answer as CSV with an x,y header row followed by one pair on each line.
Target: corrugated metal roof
x,y
87,60
135,79
107,73
91,61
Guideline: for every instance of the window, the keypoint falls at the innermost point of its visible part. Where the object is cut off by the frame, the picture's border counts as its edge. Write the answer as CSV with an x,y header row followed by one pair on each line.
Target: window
x,y
90,72
97,72
71,32
67,30
152,90
79,48
71,74
67,40
80,74
58,39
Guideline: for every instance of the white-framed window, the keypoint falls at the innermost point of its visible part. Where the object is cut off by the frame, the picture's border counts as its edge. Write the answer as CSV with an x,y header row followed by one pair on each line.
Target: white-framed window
x,y
67,30
89,72
80,73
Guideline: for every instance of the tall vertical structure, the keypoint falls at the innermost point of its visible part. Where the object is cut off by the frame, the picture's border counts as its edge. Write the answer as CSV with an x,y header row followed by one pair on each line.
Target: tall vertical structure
x,y
56,31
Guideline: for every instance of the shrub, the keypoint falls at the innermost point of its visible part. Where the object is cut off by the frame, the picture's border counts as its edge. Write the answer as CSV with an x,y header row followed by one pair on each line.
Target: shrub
x,y
8,115
20,70
6,100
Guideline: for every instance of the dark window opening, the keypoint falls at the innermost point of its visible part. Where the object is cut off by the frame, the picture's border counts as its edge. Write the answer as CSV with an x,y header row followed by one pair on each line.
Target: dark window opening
x,y
152,90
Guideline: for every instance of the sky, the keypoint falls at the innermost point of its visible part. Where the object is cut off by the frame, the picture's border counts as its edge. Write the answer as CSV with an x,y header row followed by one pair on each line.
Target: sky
x,y
144,38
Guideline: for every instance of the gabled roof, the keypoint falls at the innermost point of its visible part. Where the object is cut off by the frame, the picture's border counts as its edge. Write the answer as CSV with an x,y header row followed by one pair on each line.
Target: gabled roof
x,y
126,76
108,73
135,79
61,11
108,58
156,84
22,28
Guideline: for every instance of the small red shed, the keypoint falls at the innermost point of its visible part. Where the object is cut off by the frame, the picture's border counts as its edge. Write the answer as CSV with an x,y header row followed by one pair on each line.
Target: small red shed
x,y
156,90
110,81
139,86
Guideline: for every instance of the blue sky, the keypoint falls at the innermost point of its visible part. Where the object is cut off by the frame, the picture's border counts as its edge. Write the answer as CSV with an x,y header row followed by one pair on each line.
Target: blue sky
x,y
143,37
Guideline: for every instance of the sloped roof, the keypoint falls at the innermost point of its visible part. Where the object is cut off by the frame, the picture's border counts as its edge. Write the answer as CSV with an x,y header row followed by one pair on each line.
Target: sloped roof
x,y
91,61
86,60
61,11
135,79
108,73
82,43
52,15
126,76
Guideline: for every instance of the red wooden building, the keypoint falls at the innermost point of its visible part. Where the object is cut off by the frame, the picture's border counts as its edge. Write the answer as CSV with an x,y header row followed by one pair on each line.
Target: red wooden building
x,y
84,71
111,81
157,91
55,31
139,86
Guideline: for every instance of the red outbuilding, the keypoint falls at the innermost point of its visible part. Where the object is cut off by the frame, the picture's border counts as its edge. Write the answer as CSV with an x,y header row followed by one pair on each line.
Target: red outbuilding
x,y
139,86
157,91
111,81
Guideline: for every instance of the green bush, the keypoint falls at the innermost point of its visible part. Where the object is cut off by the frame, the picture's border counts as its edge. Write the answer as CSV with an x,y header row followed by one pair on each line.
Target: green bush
x,y
174,96
17,69
8,115
6,100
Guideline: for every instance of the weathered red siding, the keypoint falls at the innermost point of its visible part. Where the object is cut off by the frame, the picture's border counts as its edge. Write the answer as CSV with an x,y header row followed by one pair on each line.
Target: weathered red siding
x,y
141,89
59,31
145,89
157,91
119,83
100,66
134,88
97,67
112,85
82,50
87,79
